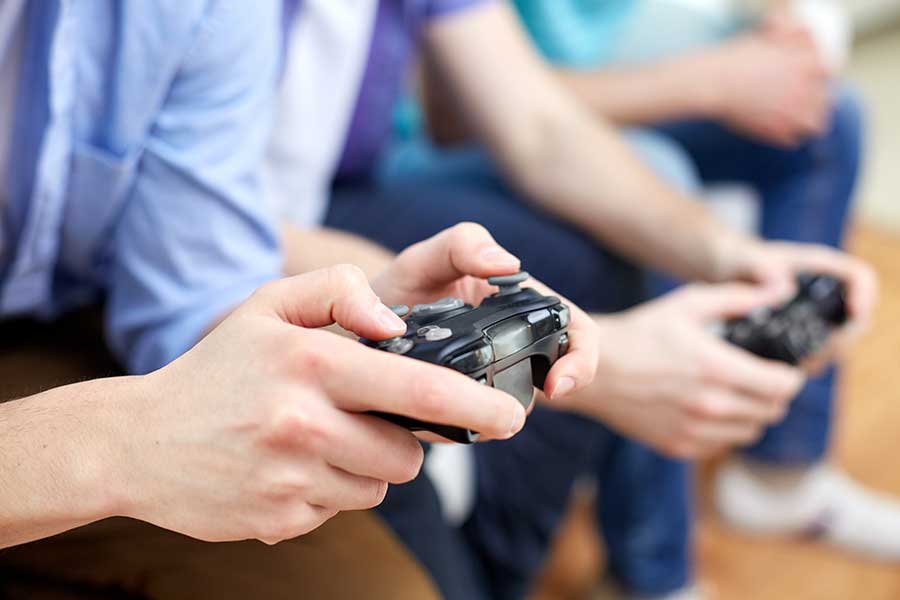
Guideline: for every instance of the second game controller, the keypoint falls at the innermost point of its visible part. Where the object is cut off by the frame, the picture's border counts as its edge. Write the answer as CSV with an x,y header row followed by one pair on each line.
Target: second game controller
x,y
798,329
509,341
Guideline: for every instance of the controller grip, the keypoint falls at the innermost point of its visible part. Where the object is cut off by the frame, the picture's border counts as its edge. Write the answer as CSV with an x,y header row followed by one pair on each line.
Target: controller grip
x,y
454,434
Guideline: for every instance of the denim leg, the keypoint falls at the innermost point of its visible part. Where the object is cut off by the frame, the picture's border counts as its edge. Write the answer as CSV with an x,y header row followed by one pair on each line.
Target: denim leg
x,y
523,484
806,194
645,500
645,511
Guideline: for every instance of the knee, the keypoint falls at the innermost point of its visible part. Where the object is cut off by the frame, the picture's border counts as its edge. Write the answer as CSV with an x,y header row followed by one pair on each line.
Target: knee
x,y
665,157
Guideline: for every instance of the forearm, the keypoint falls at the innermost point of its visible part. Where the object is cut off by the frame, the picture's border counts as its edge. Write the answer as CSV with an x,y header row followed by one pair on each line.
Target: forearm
x,y
311,249
56,457
587,175
646,95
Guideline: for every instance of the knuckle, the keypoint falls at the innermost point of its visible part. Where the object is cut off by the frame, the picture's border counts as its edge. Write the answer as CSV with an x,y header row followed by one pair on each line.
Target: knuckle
x,y
299,428
314,361
273,529
347,277
282,488
468,230
706,407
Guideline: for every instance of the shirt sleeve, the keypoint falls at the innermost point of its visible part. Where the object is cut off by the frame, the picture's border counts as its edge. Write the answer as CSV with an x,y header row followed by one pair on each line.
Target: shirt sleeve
x,y
441,8
196,236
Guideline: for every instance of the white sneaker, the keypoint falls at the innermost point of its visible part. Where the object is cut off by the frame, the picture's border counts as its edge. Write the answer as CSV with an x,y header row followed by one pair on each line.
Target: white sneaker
x,y
818,501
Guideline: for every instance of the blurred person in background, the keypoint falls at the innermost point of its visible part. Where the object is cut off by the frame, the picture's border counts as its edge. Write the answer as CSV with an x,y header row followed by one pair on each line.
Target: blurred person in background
x,y
573,202
758,106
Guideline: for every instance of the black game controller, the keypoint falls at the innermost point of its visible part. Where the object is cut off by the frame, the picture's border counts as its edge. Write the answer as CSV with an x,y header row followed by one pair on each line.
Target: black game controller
x,y
797,329
509,342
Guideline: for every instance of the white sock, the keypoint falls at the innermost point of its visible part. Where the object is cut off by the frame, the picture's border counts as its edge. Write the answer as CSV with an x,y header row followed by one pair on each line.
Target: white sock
x,y
816,500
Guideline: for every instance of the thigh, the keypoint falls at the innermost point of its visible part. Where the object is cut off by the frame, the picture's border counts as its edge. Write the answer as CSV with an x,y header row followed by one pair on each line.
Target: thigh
x,y
644,508
413,511
523,489
351,556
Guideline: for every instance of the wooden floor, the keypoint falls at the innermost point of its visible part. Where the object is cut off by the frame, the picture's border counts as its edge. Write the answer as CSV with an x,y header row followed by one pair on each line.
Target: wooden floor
x,y
867,445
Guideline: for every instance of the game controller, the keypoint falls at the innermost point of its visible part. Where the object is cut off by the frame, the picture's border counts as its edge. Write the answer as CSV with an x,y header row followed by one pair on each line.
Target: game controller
x,y
509,342
797,329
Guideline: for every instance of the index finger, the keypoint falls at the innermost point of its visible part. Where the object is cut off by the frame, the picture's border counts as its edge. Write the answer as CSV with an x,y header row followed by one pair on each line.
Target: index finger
x,y
362,379
737,369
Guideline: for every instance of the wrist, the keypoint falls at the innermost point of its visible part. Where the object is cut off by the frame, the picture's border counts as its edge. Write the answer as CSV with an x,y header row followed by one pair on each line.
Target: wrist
x,y
109,469
730,252
61,458
707,87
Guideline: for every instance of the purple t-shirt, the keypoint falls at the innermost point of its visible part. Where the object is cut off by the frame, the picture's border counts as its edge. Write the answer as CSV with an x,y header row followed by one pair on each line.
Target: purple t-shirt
x,y
395,36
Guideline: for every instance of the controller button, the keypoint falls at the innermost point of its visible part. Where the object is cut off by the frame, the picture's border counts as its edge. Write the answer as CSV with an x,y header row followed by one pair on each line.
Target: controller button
x,y
510,336
435,308
562,314
473,360
482,380
563,343
509,284
437,335
422,331
397,345
542,322
401,310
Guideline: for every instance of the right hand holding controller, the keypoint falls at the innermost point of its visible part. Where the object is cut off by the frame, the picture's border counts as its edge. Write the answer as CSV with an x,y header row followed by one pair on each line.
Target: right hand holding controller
x,y
258,431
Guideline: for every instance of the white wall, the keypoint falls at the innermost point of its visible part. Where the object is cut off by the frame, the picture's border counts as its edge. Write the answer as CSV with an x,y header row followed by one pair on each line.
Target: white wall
x,y
868,13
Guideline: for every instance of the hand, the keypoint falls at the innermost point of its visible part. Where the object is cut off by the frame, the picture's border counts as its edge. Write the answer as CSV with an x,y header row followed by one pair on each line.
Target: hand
x,y
666,380
456,263
260,431
772,85
776,266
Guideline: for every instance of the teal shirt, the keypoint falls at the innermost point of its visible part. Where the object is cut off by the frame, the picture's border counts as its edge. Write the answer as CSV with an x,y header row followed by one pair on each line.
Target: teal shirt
x,y
575,33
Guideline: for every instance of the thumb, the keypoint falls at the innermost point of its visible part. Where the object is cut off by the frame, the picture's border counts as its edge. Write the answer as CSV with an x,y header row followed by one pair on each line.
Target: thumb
x,y
464,249
339,294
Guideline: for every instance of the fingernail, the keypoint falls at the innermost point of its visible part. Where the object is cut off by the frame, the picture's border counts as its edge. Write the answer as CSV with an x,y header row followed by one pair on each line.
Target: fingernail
x,y
518,420
390,321
499,257
564,386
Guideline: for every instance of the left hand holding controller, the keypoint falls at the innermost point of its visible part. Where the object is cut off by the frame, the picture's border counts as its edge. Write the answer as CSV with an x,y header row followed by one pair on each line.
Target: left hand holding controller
x,y
777,264
457,262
